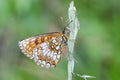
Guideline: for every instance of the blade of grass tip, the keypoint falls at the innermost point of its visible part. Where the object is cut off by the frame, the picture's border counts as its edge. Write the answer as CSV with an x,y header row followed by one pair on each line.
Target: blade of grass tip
x,y
74,27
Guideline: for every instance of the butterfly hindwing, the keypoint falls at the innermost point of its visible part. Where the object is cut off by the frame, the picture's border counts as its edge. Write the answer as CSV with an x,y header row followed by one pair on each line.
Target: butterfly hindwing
x,y
44,49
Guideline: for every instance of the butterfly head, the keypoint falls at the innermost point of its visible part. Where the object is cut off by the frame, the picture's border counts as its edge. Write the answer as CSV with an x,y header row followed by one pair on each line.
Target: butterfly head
x,y
66,33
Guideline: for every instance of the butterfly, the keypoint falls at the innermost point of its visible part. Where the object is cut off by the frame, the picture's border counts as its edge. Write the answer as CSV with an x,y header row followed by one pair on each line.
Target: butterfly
x,y
45,49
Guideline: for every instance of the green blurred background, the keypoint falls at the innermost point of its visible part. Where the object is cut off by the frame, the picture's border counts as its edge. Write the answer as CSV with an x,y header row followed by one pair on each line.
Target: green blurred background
x,y
97,50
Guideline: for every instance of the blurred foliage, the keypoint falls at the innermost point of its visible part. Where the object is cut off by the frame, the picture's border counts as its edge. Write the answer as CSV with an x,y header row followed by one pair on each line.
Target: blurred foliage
x,y
97,50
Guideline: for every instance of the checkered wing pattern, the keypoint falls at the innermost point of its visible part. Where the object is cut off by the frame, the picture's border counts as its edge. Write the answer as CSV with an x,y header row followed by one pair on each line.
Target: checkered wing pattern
x,y
44,49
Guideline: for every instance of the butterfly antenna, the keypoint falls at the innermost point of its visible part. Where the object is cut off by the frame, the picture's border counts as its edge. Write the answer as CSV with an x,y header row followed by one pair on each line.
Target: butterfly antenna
x,y
68,23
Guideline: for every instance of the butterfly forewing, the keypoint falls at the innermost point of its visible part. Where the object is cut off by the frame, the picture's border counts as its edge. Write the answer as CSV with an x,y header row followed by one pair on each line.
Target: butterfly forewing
x,y
44,49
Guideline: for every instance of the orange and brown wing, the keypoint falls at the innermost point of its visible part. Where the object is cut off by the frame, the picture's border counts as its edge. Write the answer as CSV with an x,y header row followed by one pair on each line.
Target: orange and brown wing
x,y
44,49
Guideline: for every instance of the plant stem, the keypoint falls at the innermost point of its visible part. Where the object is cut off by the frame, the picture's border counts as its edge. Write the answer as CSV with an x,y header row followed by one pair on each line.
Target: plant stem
x,y
74,27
